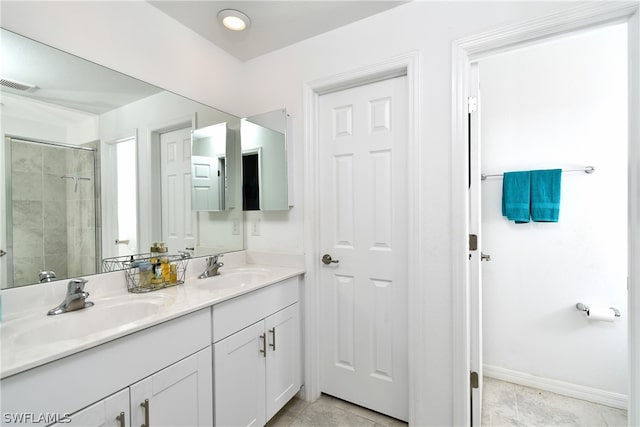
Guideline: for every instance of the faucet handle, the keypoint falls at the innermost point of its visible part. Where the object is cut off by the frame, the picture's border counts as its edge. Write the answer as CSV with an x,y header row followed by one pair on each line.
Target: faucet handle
x,y
214,259
76,285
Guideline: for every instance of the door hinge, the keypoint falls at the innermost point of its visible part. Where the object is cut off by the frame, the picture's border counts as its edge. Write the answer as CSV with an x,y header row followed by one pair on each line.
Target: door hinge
x,y
473,380
472,103
473,242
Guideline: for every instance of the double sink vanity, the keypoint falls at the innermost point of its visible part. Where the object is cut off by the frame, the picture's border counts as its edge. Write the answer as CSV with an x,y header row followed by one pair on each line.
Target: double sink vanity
x,y
222,350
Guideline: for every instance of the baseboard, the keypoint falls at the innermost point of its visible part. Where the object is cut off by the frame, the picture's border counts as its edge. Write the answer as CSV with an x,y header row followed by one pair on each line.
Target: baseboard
x,y
590,394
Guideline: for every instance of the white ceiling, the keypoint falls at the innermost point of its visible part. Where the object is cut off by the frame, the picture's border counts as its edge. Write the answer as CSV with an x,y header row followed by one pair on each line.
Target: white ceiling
x,y
80,85
274,24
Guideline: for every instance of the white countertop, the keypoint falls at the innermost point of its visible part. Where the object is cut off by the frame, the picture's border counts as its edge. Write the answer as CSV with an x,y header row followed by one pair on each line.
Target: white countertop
x,y
30,338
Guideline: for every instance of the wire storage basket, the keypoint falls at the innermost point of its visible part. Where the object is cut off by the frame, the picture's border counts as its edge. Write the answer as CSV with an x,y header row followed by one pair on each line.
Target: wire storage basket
x,y
118,263
149,272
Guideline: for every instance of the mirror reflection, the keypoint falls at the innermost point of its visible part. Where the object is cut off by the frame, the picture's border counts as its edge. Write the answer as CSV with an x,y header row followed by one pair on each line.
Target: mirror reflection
x,y
264,162
96,164
210,147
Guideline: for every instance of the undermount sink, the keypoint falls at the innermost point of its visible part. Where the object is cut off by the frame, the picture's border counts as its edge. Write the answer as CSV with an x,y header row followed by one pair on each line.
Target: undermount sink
x,y
106,315
238,277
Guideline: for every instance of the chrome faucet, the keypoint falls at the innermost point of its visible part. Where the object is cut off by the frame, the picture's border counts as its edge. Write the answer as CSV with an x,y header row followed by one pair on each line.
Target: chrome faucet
x,y
212,267
47,276
75,299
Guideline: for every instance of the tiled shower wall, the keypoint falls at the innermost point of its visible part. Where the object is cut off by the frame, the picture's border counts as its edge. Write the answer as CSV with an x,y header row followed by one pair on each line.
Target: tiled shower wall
x,y
81,213
53,224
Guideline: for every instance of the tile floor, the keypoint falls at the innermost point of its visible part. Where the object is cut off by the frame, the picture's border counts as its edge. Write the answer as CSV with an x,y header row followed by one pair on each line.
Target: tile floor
x,y
505,404
329,411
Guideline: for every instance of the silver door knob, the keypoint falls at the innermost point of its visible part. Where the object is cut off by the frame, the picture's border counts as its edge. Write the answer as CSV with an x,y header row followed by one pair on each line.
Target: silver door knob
x,y
326,258
2,253
485,257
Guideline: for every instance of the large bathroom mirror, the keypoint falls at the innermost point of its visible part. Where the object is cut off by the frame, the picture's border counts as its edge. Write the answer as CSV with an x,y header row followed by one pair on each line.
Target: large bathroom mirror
x,y
97,165
265,166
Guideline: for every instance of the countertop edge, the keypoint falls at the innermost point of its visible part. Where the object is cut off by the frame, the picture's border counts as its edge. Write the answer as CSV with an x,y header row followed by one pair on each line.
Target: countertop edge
x,y
190,307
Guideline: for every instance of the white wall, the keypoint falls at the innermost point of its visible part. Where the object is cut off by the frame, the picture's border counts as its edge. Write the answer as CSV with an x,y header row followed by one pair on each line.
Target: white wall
x,y
277,80
560,104
138,40
29,118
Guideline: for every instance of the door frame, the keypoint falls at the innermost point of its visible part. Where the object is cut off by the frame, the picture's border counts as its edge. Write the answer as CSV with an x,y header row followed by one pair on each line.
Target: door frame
x,y
109,186
468,49
408,65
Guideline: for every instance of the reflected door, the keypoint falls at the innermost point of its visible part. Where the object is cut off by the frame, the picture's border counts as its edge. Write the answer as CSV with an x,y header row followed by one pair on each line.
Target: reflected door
x,y
363,155
178,221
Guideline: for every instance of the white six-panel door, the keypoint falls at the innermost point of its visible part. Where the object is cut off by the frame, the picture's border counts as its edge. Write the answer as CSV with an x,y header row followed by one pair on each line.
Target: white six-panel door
x,y
178,221
363,181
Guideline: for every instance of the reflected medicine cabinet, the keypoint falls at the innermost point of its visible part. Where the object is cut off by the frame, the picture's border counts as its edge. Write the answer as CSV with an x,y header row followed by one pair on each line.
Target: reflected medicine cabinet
x,y
212,157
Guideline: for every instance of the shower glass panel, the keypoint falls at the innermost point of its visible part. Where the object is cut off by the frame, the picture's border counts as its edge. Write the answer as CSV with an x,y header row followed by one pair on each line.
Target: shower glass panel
x,y
51,210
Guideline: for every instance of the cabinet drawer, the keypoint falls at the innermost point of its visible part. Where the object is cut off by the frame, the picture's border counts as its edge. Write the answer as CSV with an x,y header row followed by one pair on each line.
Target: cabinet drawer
x,y
240,312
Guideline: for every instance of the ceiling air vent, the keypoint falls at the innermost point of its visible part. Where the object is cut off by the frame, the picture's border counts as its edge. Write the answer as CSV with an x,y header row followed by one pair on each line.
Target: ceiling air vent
x,y
14,84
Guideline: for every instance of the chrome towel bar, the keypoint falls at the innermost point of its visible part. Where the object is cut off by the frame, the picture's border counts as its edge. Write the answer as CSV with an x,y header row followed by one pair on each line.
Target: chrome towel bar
x,y
586,169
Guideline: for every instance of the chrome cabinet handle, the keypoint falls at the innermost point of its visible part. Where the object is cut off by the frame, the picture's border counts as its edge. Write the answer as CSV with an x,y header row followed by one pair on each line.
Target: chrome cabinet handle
x,y
273,332
122,242
326,258
145,405
120,420
263,350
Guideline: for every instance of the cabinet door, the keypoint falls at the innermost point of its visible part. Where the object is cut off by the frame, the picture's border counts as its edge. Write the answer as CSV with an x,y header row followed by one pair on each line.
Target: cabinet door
x,y
110,412
283,358
239,378
179,395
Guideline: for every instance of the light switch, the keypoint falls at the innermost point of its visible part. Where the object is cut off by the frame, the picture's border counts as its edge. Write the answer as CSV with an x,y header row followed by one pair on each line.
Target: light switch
x,y
255,227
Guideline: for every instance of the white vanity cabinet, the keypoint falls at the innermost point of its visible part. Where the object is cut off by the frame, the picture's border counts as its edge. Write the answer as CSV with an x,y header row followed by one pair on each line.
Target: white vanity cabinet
x,y
256,354
179,395
112,411
169,364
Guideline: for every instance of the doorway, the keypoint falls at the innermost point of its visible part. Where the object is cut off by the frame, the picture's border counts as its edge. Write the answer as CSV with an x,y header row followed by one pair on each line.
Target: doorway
x,y
464,52
535,113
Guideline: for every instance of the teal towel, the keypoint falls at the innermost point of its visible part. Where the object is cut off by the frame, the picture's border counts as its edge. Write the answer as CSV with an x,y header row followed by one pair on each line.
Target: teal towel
x,y
516,196
545,195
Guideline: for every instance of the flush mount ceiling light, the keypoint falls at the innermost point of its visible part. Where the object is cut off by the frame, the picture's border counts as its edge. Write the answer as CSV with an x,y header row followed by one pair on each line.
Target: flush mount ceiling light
x,y
234,19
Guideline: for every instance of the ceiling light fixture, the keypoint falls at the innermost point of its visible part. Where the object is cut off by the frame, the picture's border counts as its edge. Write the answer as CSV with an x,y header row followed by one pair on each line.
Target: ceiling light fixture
x,y
234,19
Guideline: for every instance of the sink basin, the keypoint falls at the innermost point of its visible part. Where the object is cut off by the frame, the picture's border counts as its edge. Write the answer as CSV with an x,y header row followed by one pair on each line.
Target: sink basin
x,y
235,278
106,315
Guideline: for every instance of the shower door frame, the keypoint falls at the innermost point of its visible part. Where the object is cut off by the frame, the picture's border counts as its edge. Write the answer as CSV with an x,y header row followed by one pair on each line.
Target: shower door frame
x,y
8,201
470,49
